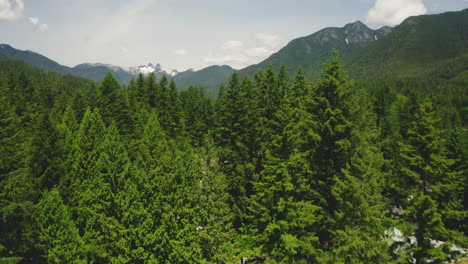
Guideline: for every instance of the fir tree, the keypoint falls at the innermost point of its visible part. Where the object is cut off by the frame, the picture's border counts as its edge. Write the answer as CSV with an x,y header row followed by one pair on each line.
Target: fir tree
x,y
333,110
57,234
426,181
283,213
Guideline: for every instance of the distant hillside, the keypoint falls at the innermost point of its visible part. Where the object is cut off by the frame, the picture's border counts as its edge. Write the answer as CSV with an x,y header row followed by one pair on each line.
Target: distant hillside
x,y
68,82
97,72
34,59
208,78
312,51
429,45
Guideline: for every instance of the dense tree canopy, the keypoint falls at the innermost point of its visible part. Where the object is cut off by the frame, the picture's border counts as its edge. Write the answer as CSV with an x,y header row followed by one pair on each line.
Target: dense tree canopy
x,y
276,169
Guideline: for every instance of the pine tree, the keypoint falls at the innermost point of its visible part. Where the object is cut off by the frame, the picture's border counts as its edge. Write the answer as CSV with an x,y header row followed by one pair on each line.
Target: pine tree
x,y
171,115
44,157
283,215
146,207
195,127
268,102
112,104
154,92
17,188
426,182
359,217
347,169
140,93
235,138
283,81
215,232
177,119
85,151
333,110
58,236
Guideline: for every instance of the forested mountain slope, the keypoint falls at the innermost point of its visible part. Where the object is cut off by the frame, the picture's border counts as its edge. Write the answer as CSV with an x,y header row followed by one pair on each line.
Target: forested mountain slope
x,y
312,51
208,78
34,59
429,45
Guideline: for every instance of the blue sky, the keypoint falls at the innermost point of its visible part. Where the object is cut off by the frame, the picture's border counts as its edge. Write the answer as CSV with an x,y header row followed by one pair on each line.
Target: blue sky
x,y
187,33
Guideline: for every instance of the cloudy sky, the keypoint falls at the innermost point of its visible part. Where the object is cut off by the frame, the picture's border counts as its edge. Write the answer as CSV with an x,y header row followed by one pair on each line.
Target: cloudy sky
x,y
186,34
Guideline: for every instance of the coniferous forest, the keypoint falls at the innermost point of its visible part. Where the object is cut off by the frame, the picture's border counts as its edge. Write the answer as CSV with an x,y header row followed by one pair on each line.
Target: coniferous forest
x,y
275,169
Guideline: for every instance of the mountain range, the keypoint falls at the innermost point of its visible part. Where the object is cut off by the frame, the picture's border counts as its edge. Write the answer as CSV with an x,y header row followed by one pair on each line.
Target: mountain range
x,y
428,45
420,46
96,71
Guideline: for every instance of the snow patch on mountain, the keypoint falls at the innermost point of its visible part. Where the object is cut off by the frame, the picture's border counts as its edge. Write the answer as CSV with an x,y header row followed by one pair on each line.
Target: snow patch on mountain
x,y
136,70
150,68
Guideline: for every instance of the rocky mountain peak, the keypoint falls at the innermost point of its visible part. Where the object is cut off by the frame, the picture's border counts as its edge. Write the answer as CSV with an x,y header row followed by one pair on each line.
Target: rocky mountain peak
x,y
5,46
358,25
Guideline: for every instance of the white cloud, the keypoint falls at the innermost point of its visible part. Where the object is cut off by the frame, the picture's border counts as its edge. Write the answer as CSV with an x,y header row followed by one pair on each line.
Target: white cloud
x,y
393,12
123,50
42,28
180,52
258,52
226,59
232,45
34,20
38,27
11,9
269,40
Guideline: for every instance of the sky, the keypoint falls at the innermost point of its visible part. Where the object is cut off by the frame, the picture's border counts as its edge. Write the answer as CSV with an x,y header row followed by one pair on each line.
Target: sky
x,y
187,34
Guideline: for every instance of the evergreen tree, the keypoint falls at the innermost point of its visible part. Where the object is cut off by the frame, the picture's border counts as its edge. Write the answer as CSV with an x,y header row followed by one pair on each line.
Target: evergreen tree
x,y
283,213
171,114
195,113
17,189
283,81
283,171
154,92
140,93
427,184
57,234
235,138
360,214
347,169
333,110
44,157
112,104
267,104
177,119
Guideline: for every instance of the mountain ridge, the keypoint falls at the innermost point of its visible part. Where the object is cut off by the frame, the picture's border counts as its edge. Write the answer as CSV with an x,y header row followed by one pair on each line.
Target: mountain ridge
x,y
311,51
213,75
419,46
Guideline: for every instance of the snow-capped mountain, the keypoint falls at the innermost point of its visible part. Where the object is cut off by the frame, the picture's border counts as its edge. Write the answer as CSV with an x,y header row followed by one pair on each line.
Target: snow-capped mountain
x,y
136,70
150,68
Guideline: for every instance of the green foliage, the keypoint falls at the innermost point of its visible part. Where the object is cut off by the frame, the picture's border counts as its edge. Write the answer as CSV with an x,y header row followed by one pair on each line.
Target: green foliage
x,y
277,169
427,180
417,47
58,236
207,79
310,52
